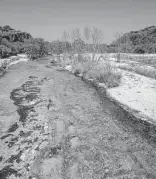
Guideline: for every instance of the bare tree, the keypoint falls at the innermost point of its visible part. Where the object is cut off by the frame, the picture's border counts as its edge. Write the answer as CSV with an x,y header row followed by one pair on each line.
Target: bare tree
x,y
65,38
86,34
74,35
118,46
95,36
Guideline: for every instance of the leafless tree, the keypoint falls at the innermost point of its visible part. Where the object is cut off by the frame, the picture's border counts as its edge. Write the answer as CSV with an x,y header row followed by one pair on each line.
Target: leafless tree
x,y
86,34
118,46
95,36
65,37
91,36
74,35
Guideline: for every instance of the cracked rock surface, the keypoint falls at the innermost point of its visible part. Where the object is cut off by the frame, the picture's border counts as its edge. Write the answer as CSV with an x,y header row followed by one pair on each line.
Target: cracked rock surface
x,y
54,126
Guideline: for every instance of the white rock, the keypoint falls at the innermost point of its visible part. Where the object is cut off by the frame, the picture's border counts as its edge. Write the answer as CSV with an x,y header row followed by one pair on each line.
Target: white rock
x,y
69,68
23,156
102,85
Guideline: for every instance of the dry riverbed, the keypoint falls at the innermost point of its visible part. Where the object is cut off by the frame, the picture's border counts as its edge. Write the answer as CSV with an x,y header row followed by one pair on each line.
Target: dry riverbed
x,y
53,125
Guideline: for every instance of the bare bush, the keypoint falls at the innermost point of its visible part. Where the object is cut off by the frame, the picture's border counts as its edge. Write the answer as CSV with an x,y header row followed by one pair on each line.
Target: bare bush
x,y
103,74
106,74
145,71
151,73
96,36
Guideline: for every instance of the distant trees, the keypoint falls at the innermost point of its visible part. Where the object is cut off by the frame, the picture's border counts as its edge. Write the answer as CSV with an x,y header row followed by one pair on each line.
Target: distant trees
x,y
77,41
96,36
78,46
65,43
141,41
85,40
138,49
42,46
4,51
36,48
74,37
12,42
118,46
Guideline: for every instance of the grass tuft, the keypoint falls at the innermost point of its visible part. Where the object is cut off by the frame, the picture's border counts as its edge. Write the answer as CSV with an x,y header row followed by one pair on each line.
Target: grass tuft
x,y
148,72
107,75
102,73
151,73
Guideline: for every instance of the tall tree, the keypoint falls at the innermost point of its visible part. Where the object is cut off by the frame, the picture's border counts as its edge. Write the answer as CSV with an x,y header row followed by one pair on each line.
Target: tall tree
x,y
96,37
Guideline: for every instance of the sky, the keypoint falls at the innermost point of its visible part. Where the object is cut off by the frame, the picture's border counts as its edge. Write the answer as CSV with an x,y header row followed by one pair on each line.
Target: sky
x,y
49,18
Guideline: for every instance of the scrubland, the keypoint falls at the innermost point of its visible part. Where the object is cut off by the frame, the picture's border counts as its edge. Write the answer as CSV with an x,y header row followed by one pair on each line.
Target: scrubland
x,y
130,81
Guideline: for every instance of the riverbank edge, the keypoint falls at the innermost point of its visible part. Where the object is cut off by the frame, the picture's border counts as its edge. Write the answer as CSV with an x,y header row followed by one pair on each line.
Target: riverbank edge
x,y
132,113
5,63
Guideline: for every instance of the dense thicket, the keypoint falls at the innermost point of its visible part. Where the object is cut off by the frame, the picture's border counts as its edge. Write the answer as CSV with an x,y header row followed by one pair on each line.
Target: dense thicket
x,y
13,42
141,41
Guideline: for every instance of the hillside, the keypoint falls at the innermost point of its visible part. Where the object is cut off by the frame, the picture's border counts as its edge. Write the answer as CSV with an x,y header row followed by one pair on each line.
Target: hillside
x,y
141,41
12,41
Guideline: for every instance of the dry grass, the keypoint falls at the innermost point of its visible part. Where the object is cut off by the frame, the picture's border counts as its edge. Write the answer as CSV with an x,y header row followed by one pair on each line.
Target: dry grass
x,y
102,73
146,59
106,74
151,61
145,71
126,67
151,73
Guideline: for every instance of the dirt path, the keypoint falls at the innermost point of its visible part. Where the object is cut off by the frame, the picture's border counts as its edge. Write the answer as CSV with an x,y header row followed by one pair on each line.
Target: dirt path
x,y
65,129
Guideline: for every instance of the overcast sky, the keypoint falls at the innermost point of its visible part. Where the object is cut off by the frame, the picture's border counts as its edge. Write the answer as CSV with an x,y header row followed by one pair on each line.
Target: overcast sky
x,y
48,18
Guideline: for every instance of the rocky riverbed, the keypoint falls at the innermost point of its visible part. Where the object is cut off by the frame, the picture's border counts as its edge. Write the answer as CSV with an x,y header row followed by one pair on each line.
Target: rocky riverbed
x,y
53,125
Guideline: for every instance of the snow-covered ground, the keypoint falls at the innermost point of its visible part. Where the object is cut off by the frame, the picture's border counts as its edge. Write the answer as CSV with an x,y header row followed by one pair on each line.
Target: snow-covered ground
x,y
20,60
136,92
13,59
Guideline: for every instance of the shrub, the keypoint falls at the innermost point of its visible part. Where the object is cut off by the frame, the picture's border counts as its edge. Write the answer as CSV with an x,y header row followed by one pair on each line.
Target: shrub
x,y
126,67
53,61
89,65
83,66
2,71
78,69
145,71
106,74
101,72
